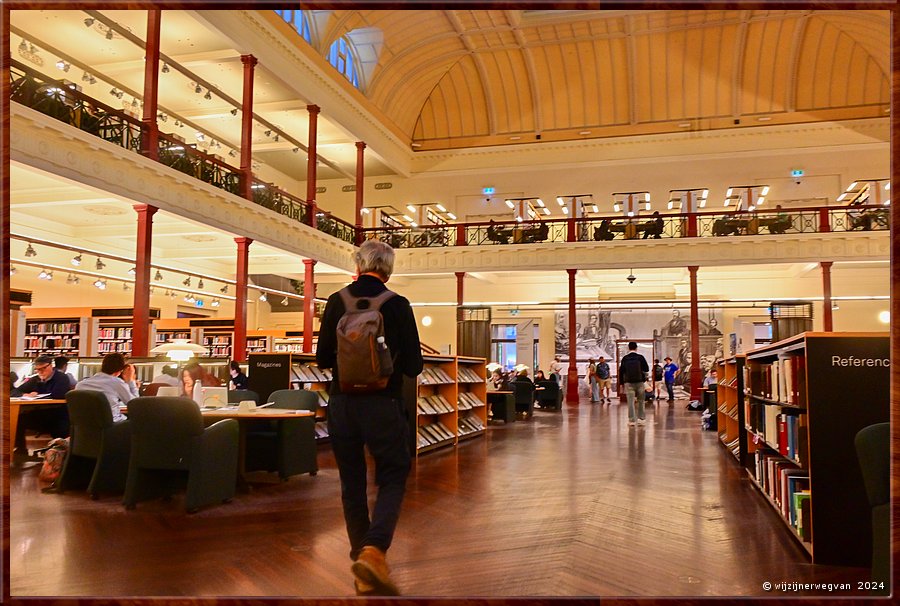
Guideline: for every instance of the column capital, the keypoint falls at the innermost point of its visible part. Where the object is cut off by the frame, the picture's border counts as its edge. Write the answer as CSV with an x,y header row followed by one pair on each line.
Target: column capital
x,y
572,272
313,109
460,274
243,241
147,209
693,268
826,264
309,262
360,145
249,60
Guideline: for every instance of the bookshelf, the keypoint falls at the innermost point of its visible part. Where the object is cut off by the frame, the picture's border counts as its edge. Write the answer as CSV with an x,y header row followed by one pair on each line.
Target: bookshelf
x,y
217,342
730,406
436,404
806,398
57,337
471,397
113,337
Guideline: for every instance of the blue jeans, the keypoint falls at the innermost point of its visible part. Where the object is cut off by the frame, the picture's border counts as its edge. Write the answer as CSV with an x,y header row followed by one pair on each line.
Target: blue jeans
x,y
670,387
635,391
595,390
380,424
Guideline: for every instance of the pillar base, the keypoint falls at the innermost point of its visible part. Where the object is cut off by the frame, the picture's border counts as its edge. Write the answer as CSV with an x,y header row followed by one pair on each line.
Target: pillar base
x,y
572,385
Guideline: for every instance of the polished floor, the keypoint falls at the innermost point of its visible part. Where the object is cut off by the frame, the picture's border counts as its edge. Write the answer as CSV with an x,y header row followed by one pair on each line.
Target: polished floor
x,y
566,504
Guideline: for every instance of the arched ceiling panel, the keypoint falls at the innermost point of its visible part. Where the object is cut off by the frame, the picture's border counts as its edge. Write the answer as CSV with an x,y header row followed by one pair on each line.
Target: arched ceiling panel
x,y
456,105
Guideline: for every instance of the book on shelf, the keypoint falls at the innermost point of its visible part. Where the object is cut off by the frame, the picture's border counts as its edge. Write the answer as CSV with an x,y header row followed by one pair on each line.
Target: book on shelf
x,y
802,507
321,429
446,432
323,396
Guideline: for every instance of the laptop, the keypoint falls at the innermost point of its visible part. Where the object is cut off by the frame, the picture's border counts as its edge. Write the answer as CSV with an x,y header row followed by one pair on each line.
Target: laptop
x,y
213,397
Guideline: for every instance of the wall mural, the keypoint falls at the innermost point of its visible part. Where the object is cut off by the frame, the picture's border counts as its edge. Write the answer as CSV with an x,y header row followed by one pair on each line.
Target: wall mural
x,y
597,330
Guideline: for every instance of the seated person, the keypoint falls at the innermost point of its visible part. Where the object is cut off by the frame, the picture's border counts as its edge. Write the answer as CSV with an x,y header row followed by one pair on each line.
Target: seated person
x,y
238,378
540,234
116,381
539,376
53,420
498,380
191,374
495,234
711,379
725,227
603,232
61,363
781,223
522,376
655,228
167,376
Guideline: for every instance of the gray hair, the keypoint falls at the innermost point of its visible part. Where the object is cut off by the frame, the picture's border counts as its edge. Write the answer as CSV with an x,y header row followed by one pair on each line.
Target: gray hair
x,y
375,256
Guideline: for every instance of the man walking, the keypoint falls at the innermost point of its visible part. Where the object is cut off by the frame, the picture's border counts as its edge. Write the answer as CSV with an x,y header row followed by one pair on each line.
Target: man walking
x,y
669,372
375,420
604,380
633,371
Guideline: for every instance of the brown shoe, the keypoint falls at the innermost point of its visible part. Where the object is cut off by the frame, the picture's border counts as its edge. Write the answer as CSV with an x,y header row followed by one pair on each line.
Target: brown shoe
x,y
371,569
363,589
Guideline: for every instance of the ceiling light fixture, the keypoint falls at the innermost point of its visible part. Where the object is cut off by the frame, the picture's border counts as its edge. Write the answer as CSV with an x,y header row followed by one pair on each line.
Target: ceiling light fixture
x,y
178,350
295,150
72,279
63,65
132,271
198,89
45,275
125,286
224,290
12,270
30,252
187,282
285,301
99,264
76,260
263,297
158,276
109,34
89,22
99,283
165,68
234,112
208,95
200,284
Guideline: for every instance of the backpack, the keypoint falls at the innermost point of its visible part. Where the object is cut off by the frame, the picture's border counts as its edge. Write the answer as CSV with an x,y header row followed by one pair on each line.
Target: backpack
x,y
657,372
54,457
363,359
631,369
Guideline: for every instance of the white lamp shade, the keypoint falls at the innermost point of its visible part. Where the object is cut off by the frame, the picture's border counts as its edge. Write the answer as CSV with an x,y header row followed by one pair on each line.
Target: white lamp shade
x,y
178,350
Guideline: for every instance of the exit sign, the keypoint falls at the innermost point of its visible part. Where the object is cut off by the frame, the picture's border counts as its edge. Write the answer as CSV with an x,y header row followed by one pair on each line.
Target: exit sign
x,y
488,191
797,172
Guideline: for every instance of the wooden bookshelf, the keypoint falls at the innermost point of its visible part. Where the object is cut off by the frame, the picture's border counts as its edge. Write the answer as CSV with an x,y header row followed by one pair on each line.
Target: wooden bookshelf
x,y
471,397
806,398
63,336
436,408
730,405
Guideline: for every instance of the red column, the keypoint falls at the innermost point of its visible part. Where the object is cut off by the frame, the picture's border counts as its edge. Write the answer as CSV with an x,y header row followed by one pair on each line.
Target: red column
x,y
249,62
692,216
827,319
824,221
460,234
696,371
360,178
570,229
309,305
572,379
239,347
460,285
150,138
140,332
311,158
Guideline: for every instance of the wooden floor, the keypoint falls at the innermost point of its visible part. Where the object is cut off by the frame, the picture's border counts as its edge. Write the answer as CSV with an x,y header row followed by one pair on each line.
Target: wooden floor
x,y
567,504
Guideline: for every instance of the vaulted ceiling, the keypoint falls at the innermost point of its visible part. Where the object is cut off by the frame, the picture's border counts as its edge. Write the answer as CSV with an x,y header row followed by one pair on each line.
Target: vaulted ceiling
x,y
461,78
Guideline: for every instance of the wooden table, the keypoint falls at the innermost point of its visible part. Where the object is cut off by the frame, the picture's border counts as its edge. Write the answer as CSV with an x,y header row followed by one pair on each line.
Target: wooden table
x,y
14,405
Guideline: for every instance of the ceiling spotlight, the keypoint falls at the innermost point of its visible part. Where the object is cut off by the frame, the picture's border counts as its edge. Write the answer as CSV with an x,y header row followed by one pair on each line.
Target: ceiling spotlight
x,y
187,281
224,290
158,276
30,252
215,303
200,136
295,150
132,271
631,277
100,283
85,77
165,68
232,153
125,286
12,270
76,260
134,103
200,284
263,297
234,112
109,34
45,275
92,79
23,47
99,264
285,301
188,298
208,95
268,133
62,65
114,91
276,137
73,279
198,89
163,117
89,22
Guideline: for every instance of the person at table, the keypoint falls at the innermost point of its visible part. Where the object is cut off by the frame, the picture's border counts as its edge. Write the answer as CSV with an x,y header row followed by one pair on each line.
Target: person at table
x,y
603,232
116,381
192,373
61,363
373,420
238,378
499,381
52,420
655,227
167,376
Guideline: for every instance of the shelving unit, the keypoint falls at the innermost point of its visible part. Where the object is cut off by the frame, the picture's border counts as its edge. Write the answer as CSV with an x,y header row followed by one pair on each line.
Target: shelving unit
x,y
730,403
56,337
217,342
308,375
471,397
436,411
113,337
806,398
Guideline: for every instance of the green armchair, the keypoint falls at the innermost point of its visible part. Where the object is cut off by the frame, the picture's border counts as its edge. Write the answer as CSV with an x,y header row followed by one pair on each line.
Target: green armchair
x,y
287,446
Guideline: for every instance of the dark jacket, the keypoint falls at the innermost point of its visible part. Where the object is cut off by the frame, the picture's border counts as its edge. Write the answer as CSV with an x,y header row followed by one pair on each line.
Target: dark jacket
x,y
400,334
57,385
645,368
239,381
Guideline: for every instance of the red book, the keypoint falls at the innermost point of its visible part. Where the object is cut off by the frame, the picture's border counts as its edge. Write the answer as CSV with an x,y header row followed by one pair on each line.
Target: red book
x,y
782,435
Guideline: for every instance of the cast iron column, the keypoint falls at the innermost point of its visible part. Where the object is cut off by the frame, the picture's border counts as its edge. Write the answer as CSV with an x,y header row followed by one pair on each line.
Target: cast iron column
x,y
696,371
140,330
150,135
249,62
309,305
360,180
239,347
311,159
827,319
460,285
572,378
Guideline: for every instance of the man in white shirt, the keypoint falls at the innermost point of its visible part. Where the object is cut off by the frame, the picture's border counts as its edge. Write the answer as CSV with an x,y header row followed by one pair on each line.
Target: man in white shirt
x,y
116,381
169,376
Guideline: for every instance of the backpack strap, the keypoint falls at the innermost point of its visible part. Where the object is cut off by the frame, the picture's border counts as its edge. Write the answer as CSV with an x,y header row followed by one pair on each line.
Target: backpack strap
x,y
351,303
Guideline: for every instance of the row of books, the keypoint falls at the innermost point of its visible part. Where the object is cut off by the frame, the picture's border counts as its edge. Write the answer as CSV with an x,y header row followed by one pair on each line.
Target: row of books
x,y
321,430
433,405
51,343
783,380
165,337
219,351
467,400
433,433
469,424
788,486
734,445
323,396
111,346
114,333
51,328
467,375
310,373
729,382
786,433
208,341
435,376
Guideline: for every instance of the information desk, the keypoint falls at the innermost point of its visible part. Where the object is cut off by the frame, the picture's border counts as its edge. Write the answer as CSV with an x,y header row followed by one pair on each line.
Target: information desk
x,y
14,405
